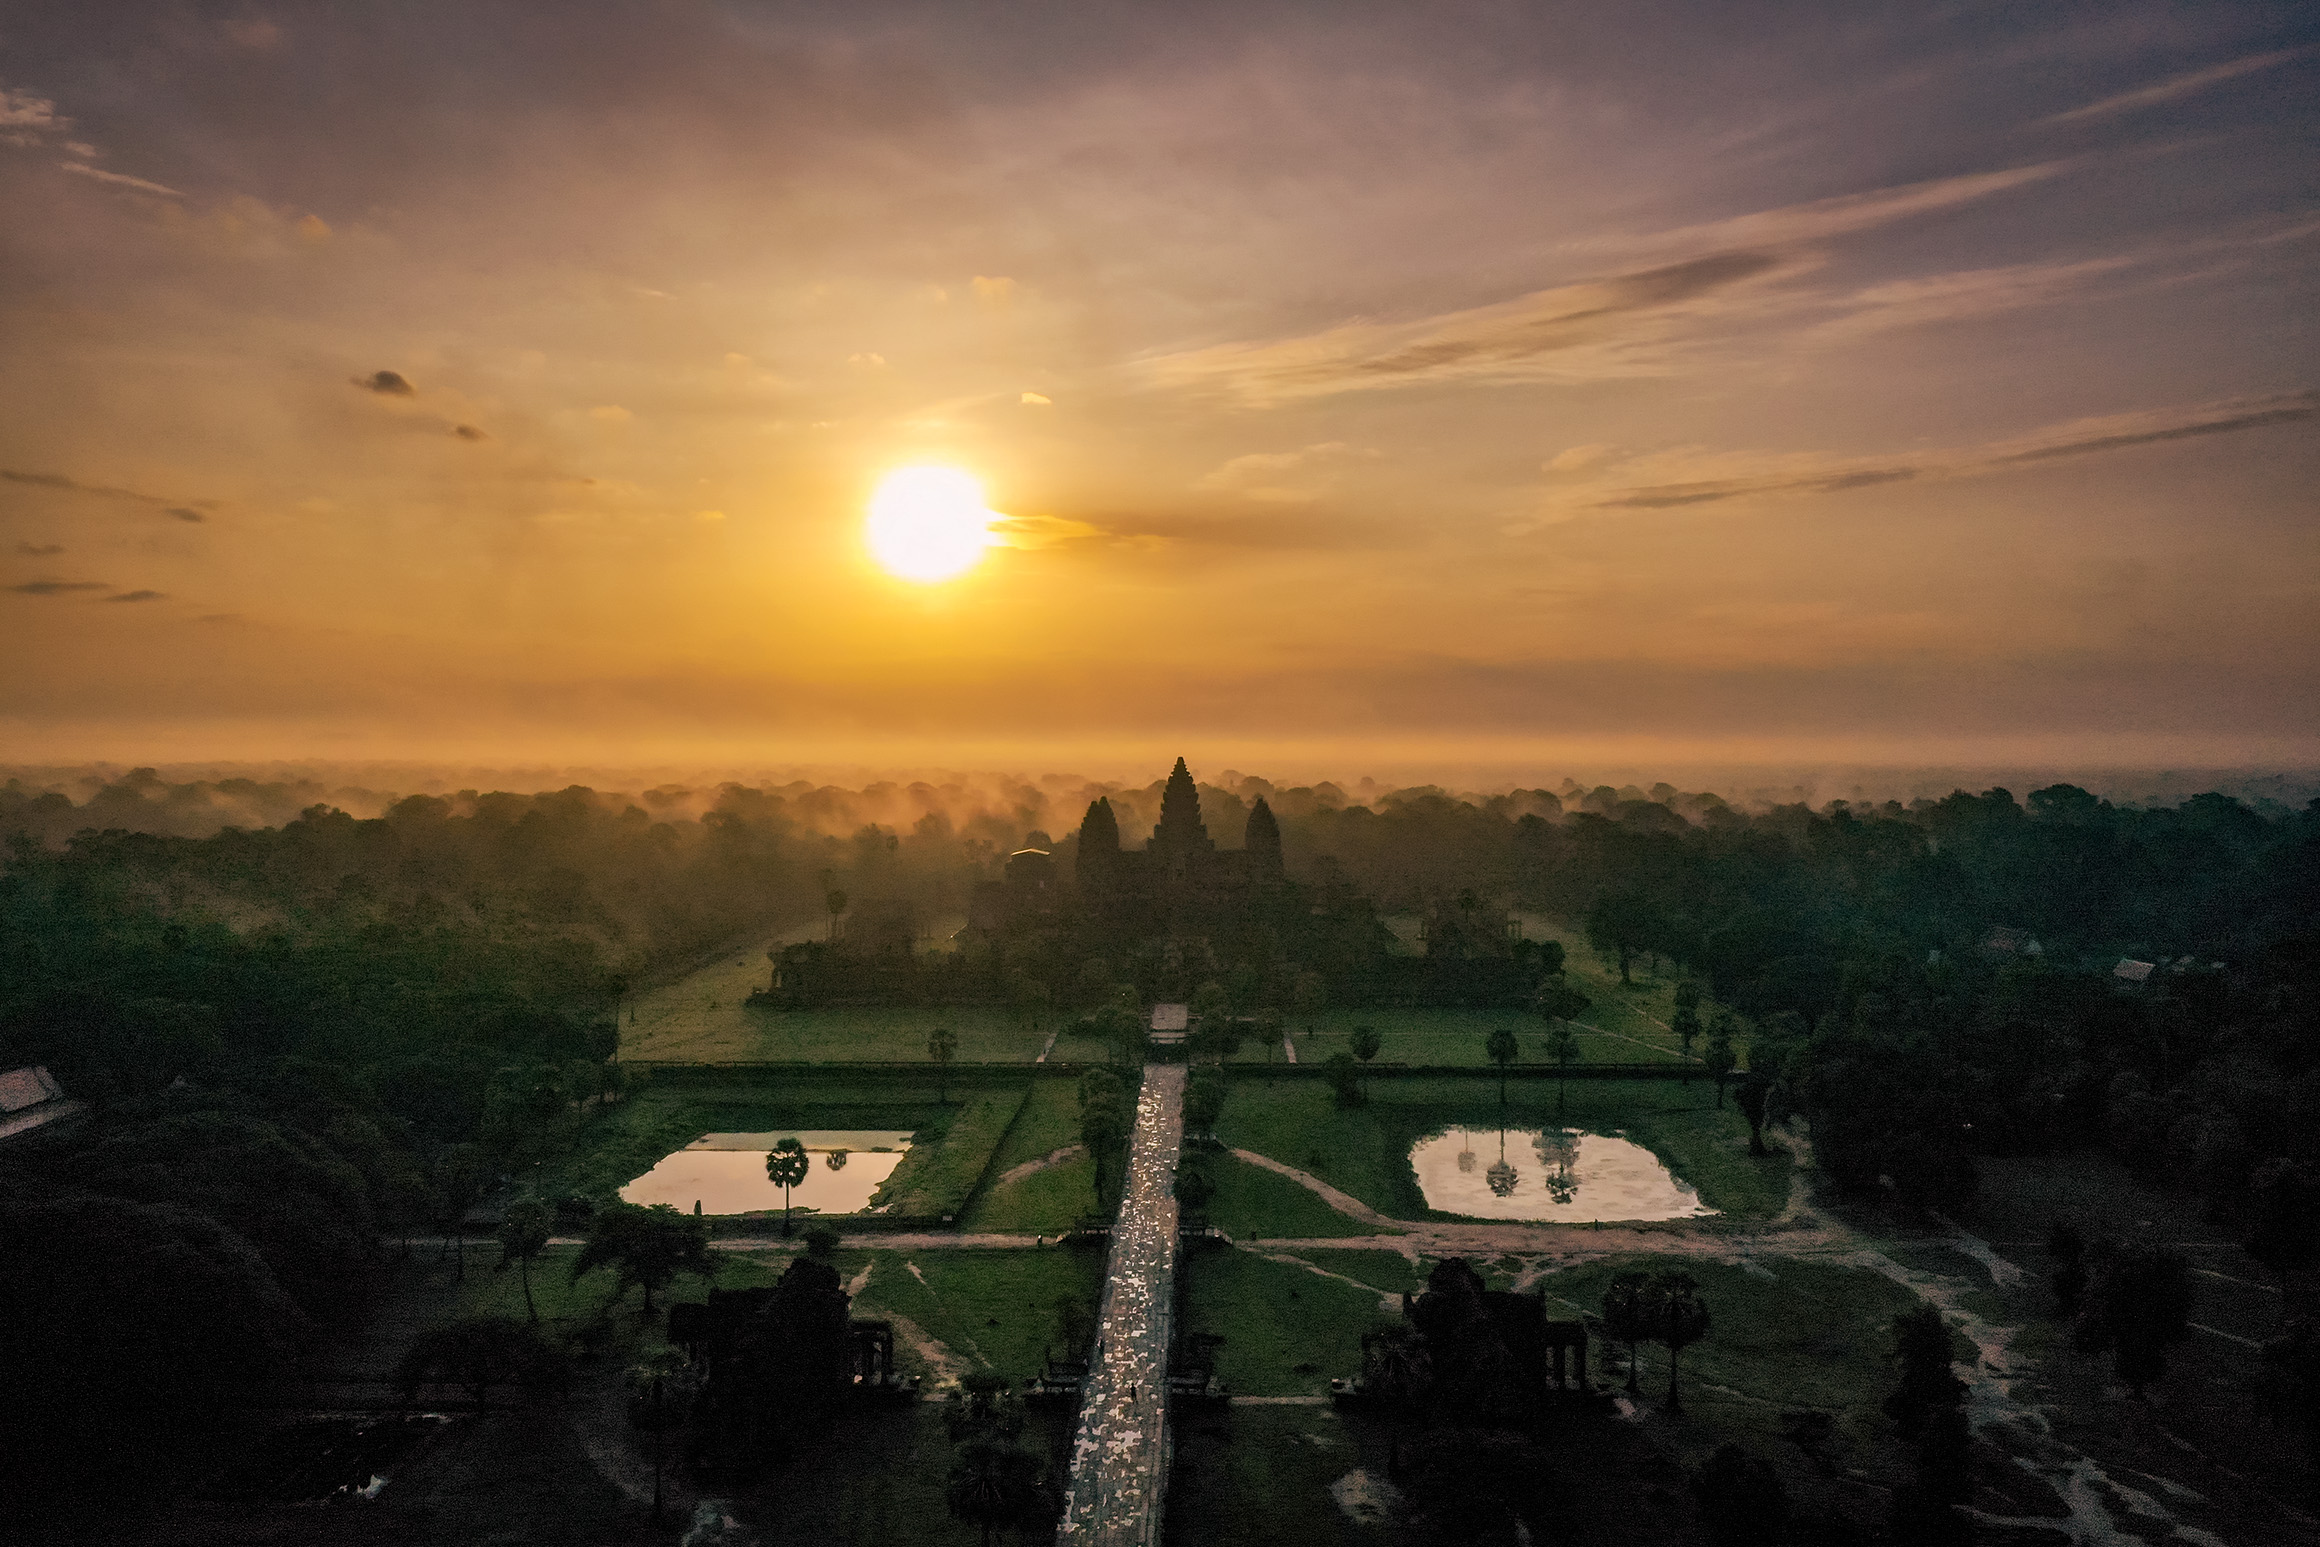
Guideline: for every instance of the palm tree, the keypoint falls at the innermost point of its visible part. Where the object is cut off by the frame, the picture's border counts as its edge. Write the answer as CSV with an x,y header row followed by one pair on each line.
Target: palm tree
x,y
1502,1050
523,1235
1679,1319
1623,1316
992,1485
942,1046
786,1166
1562,1047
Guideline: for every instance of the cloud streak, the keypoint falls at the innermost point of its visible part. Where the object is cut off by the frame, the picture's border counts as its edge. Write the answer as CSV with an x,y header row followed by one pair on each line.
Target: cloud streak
x,y
182,510
1596,329
1793,477
2176,87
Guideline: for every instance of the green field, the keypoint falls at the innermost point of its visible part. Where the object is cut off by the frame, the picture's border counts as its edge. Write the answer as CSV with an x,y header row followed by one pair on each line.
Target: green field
x,y
1365,1150
1286,1330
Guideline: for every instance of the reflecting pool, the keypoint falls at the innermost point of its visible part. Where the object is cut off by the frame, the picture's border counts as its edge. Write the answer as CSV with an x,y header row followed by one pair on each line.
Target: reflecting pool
x,y
1560,1175
725,1172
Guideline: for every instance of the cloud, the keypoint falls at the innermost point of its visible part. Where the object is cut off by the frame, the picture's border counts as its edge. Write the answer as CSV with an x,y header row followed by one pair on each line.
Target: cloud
x,y
1578,459
387,384
1620,325
252,33
1566,332
1037,400
137,596
1967,293
611,413
23,115
40,550
1656,482
2176,87
1284,477
188,510
1040,531
993,290
58,587
119,179
468,432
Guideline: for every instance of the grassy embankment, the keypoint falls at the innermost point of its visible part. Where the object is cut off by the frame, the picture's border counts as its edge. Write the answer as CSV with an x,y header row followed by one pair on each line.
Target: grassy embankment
x,y
1365,1150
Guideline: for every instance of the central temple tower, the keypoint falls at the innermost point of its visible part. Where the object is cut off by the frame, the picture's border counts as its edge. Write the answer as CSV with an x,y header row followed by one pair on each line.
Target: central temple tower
x,y
1180,844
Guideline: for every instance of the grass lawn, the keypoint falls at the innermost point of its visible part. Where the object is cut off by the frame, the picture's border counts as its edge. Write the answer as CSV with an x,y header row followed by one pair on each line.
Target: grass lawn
x,y
1260,1477
1286,1331
1365,1150
1252,1202
1451,1037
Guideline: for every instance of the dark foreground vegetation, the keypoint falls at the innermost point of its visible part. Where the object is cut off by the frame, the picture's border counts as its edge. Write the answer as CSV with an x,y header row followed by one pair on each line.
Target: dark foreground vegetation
x,y
306,1043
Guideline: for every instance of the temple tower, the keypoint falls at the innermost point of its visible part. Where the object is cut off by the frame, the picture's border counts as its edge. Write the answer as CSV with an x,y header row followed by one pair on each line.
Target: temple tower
x,y
1181,843
1098,864
1263,844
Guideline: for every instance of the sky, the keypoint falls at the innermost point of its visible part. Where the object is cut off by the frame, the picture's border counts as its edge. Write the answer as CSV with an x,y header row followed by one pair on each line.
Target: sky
x,y
1510,386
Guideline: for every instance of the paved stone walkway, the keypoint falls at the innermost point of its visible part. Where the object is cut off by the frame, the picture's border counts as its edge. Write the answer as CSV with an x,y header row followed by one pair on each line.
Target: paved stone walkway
x,y
1119,1463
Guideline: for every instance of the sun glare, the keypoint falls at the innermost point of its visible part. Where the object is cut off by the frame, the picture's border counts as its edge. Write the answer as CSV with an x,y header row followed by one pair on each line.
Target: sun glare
x,y
928,523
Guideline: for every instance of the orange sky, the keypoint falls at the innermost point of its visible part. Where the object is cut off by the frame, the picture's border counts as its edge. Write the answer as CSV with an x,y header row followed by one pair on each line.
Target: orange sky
x,y
1508,386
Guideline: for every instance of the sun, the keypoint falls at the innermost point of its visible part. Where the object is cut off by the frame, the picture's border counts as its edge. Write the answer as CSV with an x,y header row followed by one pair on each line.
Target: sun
x,y
928,523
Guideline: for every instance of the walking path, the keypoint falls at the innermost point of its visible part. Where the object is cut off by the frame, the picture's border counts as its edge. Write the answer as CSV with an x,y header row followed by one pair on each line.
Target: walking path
x,y
1119,1463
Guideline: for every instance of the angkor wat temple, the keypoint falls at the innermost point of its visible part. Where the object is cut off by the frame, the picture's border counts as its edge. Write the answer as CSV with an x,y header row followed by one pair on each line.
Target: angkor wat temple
x,y
1180,879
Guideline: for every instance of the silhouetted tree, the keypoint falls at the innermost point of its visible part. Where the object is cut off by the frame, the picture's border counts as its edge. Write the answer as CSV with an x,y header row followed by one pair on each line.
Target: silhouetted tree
x,y
645,1247
1720,1059
479,1353
1742,1502
1626,1315
1561,1048
1502,1050
786,1166
2137,1305
523,1235
1678,1318
1344,1076
942,1045
1204,1095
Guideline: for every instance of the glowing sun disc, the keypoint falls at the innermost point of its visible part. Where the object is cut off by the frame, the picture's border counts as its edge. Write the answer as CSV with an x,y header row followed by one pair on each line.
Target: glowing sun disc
x,y
928,523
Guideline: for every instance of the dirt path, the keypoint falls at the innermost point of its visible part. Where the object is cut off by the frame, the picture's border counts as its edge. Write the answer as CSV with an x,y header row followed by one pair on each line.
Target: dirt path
x,y
1034,1167
1345,1203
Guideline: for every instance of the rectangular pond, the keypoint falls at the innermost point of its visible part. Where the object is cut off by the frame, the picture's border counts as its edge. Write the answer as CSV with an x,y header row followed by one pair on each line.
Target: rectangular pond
x,y
725,1172
1558,1175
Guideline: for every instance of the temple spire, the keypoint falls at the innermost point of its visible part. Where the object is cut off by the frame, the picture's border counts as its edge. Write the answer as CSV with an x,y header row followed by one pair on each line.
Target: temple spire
x,y
1181,835
1099,845
1263,843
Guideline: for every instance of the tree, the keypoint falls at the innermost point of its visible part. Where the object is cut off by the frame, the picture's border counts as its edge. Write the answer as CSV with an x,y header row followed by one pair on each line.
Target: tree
x,y
1561,1047
1195,1188
646,1247
835,901
460,1176
1204,1095
1678,1318
523,1235
1211,1002
1921,1345
2284,1200
1929,1409
478,1353
787,1166
1365,1043
2068,1249
1502,1050
1625,1315
1752,1098
1557,1000
1721,1060
993,1486
1685,1023
1095,981
1124,1031
942,1045
2137,1306
1620,926
1310,998
1344,1077
1742,1502
1270,1033
1103,1127
821,1240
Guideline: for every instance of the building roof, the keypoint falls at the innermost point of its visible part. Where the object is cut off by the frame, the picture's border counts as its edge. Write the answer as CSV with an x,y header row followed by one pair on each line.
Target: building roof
x,y
1171,1017
2130,969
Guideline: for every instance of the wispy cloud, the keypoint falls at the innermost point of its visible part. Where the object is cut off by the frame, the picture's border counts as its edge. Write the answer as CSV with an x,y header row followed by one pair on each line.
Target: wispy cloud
x,y
1612,326
1285,477
2176,87
387,384
138,596
58,587
119,179
1966,294
183,510
40,550
1685,477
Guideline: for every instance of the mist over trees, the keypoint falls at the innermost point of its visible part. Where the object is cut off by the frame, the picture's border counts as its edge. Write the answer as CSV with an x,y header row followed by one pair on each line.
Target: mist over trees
x,y
311,1039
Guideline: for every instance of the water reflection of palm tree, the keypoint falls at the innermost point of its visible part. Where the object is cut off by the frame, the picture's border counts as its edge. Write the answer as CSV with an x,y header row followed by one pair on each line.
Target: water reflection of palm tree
x,y
1501,1176
1465,1151
836,1160
1558,1149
